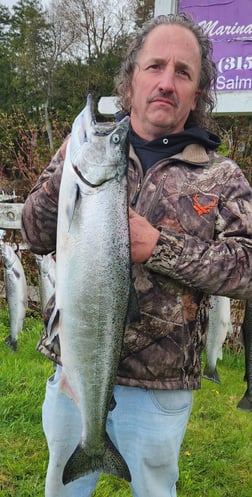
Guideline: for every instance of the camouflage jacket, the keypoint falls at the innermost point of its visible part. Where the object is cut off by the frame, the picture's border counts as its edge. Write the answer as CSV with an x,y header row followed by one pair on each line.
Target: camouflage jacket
x,y
202,205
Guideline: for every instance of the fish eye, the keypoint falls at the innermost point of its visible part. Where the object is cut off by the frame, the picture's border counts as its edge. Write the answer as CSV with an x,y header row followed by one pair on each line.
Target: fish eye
x,y
116,138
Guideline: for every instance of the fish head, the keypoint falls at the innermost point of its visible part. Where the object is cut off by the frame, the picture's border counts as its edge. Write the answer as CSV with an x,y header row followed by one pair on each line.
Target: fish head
x,y
117,151
8,255
98,151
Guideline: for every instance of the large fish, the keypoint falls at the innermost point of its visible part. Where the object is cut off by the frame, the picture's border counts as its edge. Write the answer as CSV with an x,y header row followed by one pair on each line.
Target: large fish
x,y
93,282
16,292
246,401
46,277
219,326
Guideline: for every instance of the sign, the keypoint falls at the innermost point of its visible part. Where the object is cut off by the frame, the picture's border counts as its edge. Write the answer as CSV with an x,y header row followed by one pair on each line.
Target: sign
x,y
228,24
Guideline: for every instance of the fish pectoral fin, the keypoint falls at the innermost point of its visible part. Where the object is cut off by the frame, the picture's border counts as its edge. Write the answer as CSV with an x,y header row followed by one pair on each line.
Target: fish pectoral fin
x,y
112,404
52,326
133,313
65,387
80,463
72,204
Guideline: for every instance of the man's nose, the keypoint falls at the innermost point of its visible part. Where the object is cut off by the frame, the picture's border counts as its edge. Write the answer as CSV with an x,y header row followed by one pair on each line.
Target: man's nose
x,y
167,80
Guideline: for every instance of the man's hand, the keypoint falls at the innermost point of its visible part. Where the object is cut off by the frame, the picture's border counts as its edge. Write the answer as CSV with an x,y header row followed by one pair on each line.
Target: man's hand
x,y
143,237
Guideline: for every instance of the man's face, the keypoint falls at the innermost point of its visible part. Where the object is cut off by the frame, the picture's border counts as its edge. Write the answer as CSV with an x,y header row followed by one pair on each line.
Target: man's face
x,y
165,81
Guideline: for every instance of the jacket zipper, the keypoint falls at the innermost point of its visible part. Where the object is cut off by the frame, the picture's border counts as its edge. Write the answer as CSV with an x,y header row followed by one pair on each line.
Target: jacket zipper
x,y
155,198
136,194
139,188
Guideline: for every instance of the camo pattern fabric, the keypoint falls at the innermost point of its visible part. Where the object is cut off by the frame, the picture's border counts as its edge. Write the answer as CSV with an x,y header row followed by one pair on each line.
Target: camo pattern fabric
x,y
39,219
202,205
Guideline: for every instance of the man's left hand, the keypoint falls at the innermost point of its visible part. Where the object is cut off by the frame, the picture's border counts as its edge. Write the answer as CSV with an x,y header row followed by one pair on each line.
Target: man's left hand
x,y
143,237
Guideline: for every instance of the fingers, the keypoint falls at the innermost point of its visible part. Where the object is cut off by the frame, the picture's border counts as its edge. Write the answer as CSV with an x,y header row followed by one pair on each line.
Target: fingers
x,y
143,237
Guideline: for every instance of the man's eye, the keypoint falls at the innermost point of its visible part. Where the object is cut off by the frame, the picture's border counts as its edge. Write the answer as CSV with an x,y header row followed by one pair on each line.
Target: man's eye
x,y
183,73
154,66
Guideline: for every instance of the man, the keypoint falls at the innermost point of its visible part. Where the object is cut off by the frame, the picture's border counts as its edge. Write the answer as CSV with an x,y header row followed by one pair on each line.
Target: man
x,y
191,236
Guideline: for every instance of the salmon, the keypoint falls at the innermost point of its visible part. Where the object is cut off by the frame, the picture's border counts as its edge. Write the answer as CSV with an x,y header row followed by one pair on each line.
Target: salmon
x,y
93,282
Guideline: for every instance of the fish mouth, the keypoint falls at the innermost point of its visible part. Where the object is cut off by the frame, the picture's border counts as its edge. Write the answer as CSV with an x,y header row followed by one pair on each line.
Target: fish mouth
x,y
90,106
84,180
85,129
103,129
99,129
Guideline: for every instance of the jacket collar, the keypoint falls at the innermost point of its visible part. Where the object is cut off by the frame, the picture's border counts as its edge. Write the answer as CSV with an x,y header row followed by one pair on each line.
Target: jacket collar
x,y
192,154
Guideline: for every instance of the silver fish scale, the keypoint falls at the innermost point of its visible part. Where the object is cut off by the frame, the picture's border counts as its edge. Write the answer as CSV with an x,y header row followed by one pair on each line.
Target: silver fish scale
x,y
93,285
16,292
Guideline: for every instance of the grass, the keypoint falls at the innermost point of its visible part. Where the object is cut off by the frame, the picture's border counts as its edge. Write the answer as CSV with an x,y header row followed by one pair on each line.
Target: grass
x,y
23,451
216,456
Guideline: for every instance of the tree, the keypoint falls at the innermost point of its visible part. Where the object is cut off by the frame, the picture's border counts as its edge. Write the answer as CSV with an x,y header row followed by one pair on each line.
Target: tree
x,y
235,132
37,44
51,59
27,39
144,10
6,93
99,25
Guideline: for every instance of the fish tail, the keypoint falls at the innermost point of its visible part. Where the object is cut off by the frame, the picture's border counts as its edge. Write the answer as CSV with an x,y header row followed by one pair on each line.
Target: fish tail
x,y
11,342
80,463
245,404
211,374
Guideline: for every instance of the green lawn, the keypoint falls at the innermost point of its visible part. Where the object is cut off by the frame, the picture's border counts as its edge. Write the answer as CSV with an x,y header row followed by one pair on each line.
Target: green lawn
x,y
216,457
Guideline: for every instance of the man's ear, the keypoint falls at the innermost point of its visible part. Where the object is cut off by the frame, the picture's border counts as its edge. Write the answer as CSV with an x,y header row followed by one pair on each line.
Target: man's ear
x,y
196,98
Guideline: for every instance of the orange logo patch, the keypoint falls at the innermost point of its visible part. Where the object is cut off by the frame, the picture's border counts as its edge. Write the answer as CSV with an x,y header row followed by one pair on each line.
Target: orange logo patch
x,y
203,209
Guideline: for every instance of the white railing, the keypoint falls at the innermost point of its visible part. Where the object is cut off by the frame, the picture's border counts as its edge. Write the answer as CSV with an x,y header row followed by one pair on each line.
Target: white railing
x,y
10,216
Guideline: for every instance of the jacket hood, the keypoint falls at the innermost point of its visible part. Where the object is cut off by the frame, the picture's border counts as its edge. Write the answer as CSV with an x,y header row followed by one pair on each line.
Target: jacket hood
x,y
150,152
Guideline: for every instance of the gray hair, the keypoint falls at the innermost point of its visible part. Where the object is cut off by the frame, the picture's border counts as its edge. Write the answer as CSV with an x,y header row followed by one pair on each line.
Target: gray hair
x,y
201,116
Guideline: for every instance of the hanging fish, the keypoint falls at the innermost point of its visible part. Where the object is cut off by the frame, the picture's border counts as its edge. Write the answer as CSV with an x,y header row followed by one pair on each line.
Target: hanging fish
x,y
219,326
93,282
46,275
16,292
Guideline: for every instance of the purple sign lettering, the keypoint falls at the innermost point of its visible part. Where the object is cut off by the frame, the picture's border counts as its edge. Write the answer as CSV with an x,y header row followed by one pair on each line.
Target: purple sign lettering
x,y
228,23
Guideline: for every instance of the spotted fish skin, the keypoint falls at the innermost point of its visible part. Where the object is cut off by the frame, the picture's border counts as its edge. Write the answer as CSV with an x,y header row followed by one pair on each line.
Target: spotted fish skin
x,y
93,282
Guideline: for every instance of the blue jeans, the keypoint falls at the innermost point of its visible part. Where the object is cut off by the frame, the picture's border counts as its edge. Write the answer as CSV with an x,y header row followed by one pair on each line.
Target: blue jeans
x,y
147,426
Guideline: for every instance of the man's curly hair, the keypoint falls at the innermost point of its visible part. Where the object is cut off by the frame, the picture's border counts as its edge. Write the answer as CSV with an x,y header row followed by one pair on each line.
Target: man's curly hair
x,y
201,116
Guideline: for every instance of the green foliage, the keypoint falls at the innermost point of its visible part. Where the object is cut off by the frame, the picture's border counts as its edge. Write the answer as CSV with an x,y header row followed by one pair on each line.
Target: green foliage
x,y
144,11
23,451
24,148
218,445
235,132
5,62
215,456
23,151
45,77
43,86
26,41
